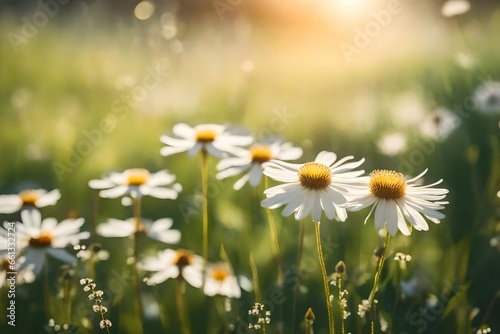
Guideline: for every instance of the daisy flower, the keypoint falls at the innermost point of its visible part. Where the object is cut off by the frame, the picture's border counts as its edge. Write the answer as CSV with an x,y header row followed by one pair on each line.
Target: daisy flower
x,y
397,200
24,276
169,263
487,97
37,238
218,140
220,280
310,188
158,230
439,124
38,198
455,7
251,160
392,144
138,182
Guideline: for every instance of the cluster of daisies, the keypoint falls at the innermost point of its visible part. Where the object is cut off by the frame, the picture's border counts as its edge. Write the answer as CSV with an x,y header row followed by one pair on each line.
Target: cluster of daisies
x,y
325,185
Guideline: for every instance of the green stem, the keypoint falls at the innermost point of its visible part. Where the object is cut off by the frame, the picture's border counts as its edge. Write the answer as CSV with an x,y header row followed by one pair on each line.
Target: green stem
x,y
46,291
274,237
371,298
255,278
342,322
180,306
297,266
204,190
137,220
331,324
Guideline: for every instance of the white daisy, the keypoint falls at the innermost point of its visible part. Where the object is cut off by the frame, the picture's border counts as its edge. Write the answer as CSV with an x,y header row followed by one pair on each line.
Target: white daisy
x,y
138,182
439,124
218,140
251,160
396,200
392,144
38,198
169,263
312,187
220,280
455,7
158,230
487,97
37,238
24,276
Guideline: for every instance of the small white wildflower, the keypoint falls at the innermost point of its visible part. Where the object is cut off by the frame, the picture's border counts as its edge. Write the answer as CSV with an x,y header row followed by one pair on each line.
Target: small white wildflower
x,y
105,323
95,308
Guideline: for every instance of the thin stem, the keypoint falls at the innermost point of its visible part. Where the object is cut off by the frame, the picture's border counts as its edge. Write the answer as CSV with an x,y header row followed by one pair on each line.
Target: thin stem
x,y
204,191
255,278
297,266
46,291
274,238
137,220
371,298
331,324
180,306
339,285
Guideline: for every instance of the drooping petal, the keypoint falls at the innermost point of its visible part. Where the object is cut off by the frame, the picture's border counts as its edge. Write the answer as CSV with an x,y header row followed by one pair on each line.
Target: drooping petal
x,y
114,192
326,158
49,198
10,203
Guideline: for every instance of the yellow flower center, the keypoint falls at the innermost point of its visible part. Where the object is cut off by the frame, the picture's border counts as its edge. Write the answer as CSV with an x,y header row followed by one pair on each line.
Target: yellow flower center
x,y
260,153
316,176
183,258
219,274
4,264
137,176
29,197
387,184
43,240
205,135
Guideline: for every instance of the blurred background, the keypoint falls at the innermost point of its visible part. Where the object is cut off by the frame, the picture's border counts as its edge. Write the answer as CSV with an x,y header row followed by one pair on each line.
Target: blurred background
x,y
88,87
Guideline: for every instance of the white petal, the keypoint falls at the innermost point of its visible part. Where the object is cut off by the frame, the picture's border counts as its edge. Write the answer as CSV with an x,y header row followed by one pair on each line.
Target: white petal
x,y
161,178
62,255
391,217
417,177
306,207
31,218
114,192
48,224
211,287
292,153
101,184
255,175
162,224
297,197
326,158
401,222
116,229
183,130
49,198
195,149
168,237
68,226
163,275
10,203
380,214
281,175
163,193
232,162
193,276
316,208
241,182
169,150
